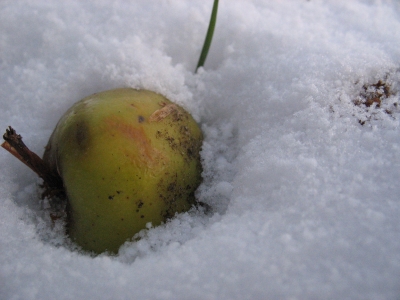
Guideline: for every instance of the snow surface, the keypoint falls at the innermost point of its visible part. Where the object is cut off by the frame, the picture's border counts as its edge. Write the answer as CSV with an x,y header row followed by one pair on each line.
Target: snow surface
x,y
305,198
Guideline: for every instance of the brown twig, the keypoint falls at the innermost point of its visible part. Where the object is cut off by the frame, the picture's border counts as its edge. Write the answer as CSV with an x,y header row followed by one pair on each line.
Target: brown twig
x,y
52,181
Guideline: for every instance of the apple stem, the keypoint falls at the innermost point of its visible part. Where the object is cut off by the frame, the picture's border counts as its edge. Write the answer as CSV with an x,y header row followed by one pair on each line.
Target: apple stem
x,y
52,181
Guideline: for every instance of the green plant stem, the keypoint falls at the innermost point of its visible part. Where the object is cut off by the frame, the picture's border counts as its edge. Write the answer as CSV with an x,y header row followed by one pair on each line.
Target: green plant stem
x,y
210,32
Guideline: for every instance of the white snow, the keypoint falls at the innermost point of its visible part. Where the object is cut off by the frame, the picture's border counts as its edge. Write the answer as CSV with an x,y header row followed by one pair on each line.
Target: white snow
x,y
306,200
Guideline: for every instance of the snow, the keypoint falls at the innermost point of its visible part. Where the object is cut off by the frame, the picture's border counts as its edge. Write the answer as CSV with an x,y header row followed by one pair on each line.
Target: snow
x,y
305,199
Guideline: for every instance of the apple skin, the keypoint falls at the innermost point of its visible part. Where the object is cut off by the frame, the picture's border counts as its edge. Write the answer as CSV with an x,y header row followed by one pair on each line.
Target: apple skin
x,y
126,157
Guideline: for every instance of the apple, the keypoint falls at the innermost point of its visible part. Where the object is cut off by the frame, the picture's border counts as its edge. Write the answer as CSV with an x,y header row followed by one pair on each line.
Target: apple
x,y
126,157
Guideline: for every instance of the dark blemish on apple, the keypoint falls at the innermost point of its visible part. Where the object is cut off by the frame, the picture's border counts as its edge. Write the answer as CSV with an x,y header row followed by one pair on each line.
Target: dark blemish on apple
x,y
171,187
142,216
122,219
82,135
141,119
139,204
111,197
184,129
118,192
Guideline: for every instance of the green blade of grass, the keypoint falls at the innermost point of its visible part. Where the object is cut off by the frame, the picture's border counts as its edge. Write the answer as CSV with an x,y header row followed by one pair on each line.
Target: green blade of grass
x,y
210,32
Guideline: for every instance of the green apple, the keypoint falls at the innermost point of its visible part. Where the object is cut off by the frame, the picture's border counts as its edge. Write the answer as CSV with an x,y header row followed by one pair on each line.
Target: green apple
x,y
126,158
